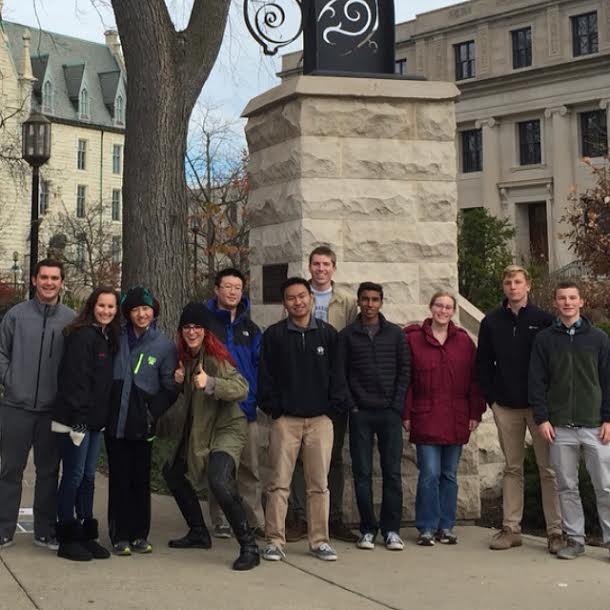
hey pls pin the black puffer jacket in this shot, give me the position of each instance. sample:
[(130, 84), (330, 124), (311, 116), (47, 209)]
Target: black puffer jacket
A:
[(377, 370), (84, 380)]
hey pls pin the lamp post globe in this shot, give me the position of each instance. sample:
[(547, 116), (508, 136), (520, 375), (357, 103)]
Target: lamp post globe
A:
[(36, 151)]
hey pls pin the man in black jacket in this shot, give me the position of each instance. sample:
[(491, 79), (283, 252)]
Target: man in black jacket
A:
[(376, 361), (506, 336), (299, 385)]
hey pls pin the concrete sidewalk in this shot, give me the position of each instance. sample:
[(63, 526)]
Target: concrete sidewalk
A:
[(467, 576)]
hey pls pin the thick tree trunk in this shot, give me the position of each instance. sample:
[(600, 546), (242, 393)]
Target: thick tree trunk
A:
[(166, 71)]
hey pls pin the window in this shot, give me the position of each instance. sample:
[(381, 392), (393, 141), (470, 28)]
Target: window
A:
[(594, 133), (44, 197), (529, 143), (116, 158), (81, 194), (116, 249), (47, 97), (522, 48), (472, 151), (119, 110), (584, 34), (464, 60), (116, 204), (83, 104), (400, 66), (81, 156)]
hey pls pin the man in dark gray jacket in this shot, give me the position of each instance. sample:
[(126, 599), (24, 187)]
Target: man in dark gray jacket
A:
[(31, 345)]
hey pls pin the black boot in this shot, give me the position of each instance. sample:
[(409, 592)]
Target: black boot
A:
[(249, 556), (196, 538), (70, 537), (90, 536)]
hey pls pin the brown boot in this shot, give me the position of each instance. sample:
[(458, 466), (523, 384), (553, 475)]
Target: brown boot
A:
[(339, 531), (555, 543), (505, 539), (296, 530)]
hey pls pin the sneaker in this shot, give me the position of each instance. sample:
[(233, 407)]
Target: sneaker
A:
[(339, 531), (121, 548), (273, 552), (325, 552), (141, 545), (571, 550), (446, 536), (393, 542), (426, 538), (296, 530), (47, 542), (505, 539), (5, 542), (222, 531), (555, 543), (366, 541)]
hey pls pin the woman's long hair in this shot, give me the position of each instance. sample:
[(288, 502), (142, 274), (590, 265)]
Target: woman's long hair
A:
[(211, 347), (86, 316)]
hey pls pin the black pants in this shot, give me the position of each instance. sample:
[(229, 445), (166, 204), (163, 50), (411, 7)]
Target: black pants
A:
[(129, 488), (336, 482), (364, 425), (222, 483)]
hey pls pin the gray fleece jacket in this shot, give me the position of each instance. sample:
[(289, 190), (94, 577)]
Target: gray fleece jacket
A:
[(31, 346)]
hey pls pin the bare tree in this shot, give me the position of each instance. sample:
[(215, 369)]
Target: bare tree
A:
[(166, 70)]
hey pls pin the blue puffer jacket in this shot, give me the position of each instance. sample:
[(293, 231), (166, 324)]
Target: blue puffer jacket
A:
[(243, 340)]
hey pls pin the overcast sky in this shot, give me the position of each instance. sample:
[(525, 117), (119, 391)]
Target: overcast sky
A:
[(241, 72)]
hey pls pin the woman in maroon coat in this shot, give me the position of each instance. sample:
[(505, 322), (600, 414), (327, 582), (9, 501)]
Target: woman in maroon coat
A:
[(442, 407)]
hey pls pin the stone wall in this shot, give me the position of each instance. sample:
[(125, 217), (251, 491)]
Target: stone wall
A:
[(367, 166)]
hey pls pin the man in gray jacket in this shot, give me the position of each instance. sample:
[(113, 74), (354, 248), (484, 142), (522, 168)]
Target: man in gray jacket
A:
[(31, 345)]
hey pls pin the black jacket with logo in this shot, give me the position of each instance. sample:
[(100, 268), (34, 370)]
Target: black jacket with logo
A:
[(84, 380), (377, 369), (299, 373), (503, 353)]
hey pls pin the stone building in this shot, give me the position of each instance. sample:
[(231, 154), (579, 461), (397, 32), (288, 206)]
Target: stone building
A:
[(80, 86), (534, 77)]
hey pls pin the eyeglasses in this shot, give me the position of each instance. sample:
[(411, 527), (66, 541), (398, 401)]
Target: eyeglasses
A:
[(190, 327), (231, 287)]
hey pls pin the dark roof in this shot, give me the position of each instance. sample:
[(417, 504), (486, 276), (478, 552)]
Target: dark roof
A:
[(70, 64)]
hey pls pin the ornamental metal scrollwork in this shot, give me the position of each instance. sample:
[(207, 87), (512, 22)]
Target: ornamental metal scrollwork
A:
[(356, 19), (266, 21)]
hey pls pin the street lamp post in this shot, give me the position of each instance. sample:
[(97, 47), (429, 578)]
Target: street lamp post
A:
[(36, 151), (15, 269)]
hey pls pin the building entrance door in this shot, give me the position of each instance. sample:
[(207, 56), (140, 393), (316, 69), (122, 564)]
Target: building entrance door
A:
[(539, 233)]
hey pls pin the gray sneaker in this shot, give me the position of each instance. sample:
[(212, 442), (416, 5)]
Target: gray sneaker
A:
[(571, 550), (273, 552), (47, 542), (366, 541), (222, 531), (325, 552), (393, 542), (5, 542)]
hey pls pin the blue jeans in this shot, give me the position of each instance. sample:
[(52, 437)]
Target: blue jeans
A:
[(437, 488), (75, 493)]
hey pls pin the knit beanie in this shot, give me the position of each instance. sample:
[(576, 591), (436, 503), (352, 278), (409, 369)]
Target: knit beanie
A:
[(136, 297), (196, 313)]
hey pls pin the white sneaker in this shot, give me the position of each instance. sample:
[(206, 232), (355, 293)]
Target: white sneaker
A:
[(273, 552), (366, 541), (393, 542), (47, 542)]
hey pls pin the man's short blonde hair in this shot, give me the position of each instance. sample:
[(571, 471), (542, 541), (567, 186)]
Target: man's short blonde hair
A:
[(513, 270)]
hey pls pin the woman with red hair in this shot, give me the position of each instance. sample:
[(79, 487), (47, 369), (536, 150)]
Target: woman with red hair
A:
[(213, 437)]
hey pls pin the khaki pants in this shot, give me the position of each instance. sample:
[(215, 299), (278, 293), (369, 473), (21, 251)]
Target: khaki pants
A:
[(312, 436), (248, 484), (512, 424)]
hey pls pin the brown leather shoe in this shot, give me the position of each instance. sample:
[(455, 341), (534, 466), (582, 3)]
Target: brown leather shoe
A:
[(339, 531), (555, 542), (296, 530), (505, 539)]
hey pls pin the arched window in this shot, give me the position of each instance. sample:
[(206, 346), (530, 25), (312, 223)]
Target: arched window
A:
[(119, 110), (83, 106), (47, 97)]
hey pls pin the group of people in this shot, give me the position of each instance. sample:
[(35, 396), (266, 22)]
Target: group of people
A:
[(334, 361)]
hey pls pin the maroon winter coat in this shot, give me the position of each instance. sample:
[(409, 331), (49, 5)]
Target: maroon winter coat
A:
[(443, 395)]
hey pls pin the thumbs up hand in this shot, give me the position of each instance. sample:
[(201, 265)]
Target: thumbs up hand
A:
[(179, 373), (200, 378)]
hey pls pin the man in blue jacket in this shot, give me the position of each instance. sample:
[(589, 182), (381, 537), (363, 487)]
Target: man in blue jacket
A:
[(242, 338)]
